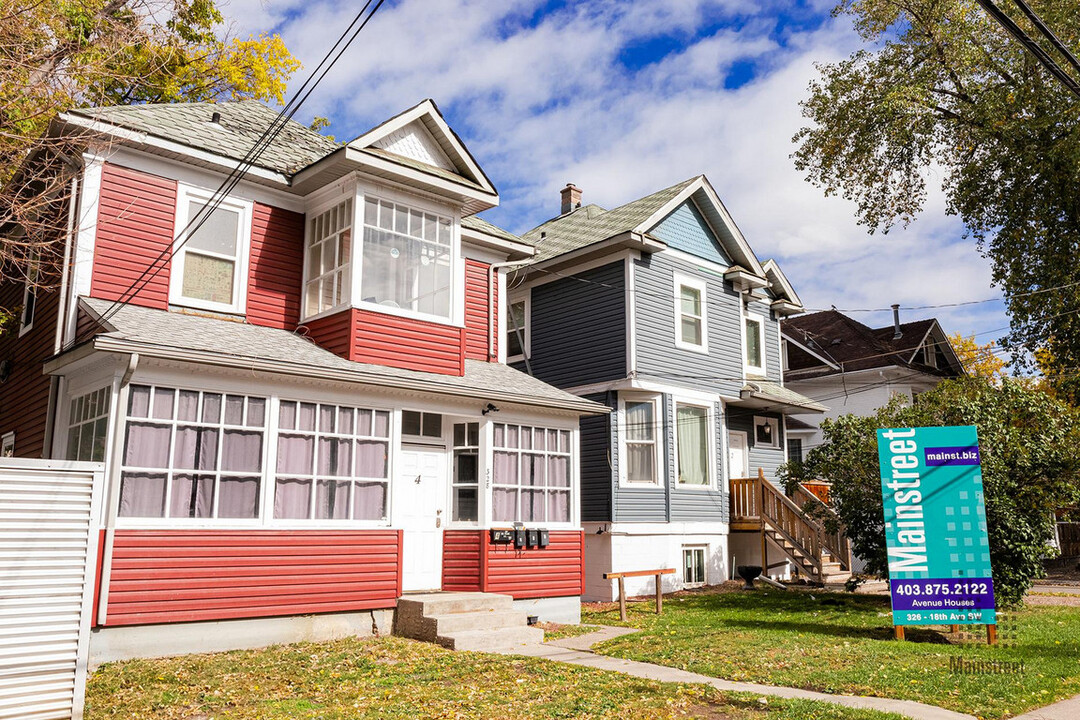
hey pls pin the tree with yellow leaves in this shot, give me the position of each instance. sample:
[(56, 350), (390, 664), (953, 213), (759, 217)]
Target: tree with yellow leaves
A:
[(979, 360), (58, 54)]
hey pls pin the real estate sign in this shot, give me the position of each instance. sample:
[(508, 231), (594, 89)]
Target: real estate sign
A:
[(935, 526)]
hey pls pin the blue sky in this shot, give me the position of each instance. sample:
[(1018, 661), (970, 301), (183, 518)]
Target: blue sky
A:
[(626, 97)]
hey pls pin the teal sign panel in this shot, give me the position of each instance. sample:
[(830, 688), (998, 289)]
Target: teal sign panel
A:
[(935, 526)]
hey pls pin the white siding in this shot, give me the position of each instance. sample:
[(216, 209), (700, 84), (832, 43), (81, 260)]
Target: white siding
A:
[(48, 554)]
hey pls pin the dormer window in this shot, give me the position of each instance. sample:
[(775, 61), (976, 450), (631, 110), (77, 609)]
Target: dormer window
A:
[(408, 259), (210, 257)]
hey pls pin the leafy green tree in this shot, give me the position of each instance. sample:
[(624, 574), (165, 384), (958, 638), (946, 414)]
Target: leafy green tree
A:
[(1030, 448), (944, 93), (58, 54)]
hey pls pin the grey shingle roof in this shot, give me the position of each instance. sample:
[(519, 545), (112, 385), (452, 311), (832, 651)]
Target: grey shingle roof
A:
[(592, 223), (481, 225), (242, 123), (770, 391), (423, 167), (241, 345)]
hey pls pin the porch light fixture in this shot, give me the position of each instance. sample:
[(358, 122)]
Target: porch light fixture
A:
[(489, 409)]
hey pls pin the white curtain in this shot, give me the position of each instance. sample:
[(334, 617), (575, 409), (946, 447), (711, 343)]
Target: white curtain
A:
[(292, 499), (692, 437), (371, 458), (504, 504), (142, 494), (558, 506), (192, 496), (239, 498), (369, 501)]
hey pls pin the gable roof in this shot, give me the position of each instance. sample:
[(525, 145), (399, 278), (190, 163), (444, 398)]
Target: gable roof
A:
[(214, 341), (592, 224), (834, 343), (241, 125)]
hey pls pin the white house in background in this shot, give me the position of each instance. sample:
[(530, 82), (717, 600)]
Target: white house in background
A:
[(855, 369)]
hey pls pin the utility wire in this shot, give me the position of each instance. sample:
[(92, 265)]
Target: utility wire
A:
[(1048, 33), (275, 128), (1031, 46)]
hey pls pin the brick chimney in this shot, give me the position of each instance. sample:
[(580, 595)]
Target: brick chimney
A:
[(571, 198)]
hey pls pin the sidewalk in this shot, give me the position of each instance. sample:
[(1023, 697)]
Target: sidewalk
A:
[(1064, 710), (575, 652)]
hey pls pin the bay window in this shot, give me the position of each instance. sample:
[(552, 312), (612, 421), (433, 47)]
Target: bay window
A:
[(692, 445), (408, 259), (209, 259), (532, 473), (191, 454), (329, 249), (332, 462)]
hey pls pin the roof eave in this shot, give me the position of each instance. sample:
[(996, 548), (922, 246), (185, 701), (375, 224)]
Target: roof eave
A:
[(613, 244), (514, 250)]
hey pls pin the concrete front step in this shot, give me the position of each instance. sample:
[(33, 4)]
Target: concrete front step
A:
[(464, 621), (500, 639)]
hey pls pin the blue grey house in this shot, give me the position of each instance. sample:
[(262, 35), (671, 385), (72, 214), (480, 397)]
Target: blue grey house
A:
[(660, 310)]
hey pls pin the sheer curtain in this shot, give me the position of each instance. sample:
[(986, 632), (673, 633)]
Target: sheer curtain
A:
[(693, 444)]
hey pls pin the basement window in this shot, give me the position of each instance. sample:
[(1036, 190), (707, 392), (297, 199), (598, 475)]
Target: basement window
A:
[(693, 566)]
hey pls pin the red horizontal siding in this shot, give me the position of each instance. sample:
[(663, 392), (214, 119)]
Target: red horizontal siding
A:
[(275, 273), (461, 560), (477, 309), (161, 576), (333, 332), (407, 343), (554, 571), (136, 223)]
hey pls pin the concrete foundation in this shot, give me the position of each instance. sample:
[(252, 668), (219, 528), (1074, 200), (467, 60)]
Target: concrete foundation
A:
[(147, 641), (565, 610)]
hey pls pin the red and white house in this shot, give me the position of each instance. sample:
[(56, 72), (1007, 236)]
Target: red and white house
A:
[(303, 408)]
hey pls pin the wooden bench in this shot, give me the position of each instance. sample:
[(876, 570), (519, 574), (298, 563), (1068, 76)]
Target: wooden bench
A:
[(639, 573)]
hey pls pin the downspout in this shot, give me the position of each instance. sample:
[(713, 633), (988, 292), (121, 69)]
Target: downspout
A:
[(492, 288)]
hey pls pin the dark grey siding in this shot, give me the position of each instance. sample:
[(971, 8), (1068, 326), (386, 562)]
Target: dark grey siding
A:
[(697, 505), (596, 469), (646, 504), (721, 369), (768, 459), (577, 328)]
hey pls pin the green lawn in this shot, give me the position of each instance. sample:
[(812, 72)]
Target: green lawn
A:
[(844, 644), (394, 678)]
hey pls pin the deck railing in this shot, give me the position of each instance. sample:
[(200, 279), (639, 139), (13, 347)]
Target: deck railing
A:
[(837, 543)]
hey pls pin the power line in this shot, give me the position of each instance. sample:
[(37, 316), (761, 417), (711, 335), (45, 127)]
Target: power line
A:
[(1030, 45), (275, 128), (1048, 33)]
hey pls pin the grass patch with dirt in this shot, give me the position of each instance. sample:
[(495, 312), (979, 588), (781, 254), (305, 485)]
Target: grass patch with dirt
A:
[(842, 643), (390, 678)]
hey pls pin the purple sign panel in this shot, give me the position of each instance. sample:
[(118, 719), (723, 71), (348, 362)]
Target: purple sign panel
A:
[(938, 456), (934, 594)]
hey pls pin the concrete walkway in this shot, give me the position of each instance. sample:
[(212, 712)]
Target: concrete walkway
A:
[(574, 651), (1064, 710)]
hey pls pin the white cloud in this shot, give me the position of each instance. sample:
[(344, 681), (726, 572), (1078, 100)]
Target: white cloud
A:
[(549, 101)]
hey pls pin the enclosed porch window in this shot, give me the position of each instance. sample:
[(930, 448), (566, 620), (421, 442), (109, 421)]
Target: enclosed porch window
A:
[(531, 474)]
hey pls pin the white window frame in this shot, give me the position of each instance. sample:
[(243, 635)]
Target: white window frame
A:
[(456, 317), (7, 445), (573, 469), (526, 339), (710, 433), (348, 282), (760, 320), (103, 411), (422, 439), (184, 196), (772, 422), (701, 287), (658, 440), (33, 272), (480, 485), (704, 550)]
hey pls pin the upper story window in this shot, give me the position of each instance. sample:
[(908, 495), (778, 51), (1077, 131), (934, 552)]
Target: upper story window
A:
[(209, 260), (517, 329), (329, 249), (691, 331), (30, 292), (754, 342), (642, 456), (407, 259)]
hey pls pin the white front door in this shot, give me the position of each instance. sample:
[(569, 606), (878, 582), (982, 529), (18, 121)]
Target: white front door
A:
[(738, 455), (419, 510)]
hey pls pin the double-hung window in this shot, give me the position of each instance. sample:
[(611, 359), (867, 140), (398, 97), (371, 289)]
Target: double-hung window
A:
[(532, 474), (692, 446), (640, 430), (332, 462), (191, 454), (88, 425), (329, 249), (516, 329), (691, 322), (209, 259), (408, 259), (754, 344)]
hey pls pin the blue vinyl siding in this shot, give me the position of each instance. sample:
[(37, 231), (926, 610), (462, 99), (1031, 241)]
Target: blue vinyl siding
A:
[(686, 229), (578, 329), (642, 504), (596, 471), (654, 306), (768, 459)]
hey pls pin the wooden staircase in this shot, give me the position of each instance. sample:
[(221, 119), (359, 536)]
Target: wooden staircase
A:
[(759, 506)]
